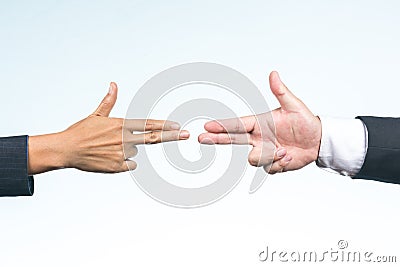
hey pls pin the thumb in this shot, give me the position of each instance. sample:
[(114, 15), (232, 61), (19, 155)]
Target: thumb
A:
[(108, 102), (287, 100)]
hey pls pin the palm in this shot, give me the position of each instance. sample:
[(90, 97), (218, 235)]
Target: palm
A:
[(299, 133)]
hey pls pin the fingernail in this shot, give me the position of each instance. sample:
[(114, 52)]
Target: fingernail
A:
[(281, 152), (287, 158), (184, 134), (206, 141), (175, 126), (110, 90)]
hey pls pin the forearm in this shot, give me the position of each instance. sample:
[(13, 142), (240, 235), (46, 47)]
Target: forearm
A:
[(45, 153)]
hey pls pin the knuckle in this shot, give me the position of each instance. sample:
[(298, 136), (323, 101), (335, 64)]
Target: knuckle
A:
[(119, 155), (153, 137), (124, 166), (117, 168), (116, 122), (283, 163), (117, 162), (152, 125), (118, 132), (113, 168), (274, 169), (120, 141), (149, 126), (254, 161)]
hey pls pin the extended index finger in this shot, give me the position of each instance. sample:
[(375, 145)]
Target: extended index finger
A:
[(233, 125), (156, 137)]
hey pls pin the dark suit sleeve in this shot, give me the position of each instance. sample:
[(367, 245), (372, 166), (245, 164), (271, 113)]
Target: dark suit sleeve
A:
[(14, 178), (382, 161)]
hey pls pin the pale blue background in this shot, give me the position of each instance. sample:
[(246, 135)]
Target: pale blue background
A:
[(342, 58)]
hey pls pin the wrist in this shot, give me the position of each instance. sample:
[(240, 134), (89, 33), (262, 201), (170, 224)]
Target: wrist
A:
[(46, 153)]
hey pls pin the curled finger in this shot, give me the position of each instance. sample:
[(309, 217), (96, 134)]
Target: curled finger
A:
[(130, 150), (262, 155), (279, 166)]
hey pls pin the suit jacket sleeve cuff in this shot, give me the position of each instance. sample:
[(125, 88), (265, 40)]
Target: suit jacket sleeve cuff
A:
[(14, 178), (382, 159)]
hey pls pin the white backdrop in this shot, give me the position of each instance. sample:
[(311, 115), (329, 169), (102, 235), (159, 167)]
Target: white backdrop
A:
[(341, 58)]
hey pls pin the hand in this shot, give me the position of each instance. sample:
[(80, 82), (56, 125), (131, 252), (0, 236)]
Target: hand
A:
[(297, 137), (95, 143)]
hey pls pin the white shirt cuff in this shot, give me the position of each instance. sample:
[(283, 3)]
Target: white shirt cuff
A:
[(344, 144)]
